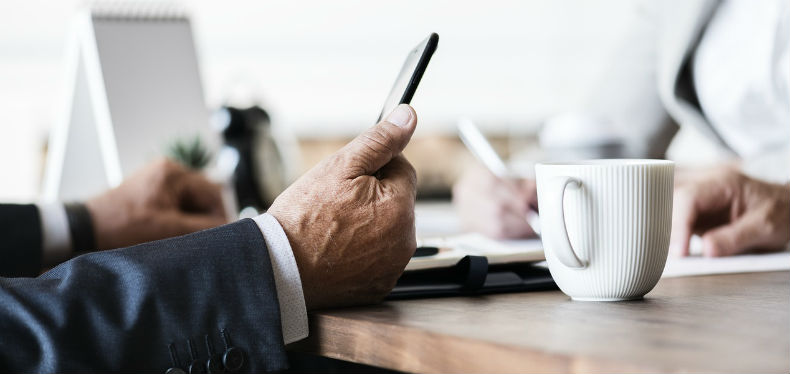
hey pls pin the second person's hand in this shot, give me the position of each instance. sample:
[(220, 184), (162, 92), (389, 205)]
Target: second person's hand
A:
[(162, 200), (494, 206), (732, 212)]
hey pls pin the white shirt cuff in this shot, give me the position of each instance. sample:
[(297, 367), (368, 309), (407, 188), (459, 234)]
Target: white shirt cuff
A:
[(293, 311), (55, 234)]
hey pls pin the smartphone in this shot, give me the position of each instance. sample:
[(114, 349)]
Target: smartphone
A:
[(410, 75)]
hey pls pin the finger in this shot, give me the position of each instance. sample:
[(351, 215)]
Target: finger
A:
[(530, 189), (523, 194), (694, 204), (510, 191), (741, 235), (508, 225), (503, 220), (399, 175), (516, 221), (516, 227), (198, 194), (683, 216), (377, 146)]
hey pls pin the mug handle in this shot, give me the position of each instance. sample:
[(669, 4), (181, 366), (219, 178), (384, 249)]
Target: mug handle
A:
[(563, 248)]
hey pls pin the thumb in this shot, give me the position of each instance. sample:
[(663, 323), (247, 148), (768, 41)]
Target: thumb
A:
[(375, 147), (734, 238)]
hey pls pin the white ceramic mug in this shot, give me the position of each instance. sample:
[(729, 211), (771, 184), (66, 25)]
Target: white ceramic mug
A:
[(605, 225)]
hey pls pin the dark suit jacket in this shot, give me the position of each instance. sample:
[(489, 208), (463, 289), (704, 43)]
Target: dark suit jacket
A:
[(138, 308)]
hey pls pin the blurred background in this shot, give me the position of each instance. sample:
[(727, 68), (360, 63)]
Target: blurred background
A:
[(322, 71)]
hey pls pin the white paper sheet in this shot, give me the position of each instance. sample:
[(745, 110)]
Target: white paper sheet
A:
[(698, 265), (694, 265), (439, 223)]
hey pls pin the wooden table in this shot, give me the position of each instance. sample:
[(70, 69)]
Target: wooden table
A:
[(720, 323)]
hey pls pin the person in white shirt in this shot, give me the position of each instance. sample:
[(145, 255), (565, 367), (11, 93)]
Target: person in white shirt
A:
[(720, 68)]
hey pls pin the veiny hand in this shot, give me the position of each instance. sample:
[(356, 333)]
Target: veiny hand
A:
[(494, 206), (350, 219), (162, 200), (733, 213)]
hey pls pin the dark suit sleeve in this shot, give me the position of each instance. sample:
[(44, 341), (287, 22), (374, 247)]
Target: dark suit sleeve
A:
[(127, 309), (20, 240)]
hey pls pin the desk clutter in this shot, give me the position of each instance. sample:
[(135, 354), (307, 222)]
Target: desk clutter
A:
[(473, 264)]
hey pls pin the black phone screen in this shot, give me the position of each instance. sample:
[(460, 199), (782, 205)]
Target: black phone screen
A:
[(410, 75)]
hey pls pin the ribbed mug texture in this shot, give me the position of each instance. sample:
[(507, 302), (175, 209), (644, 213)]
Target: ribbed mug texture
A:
[(618, 221)]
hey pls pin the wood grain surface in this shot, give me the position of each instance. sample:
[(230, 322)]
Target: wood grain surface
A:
[(720, 323)]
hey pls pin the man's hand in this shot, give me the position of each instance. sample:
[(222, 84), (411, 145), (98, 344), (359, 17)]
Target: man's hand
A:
[(493, 206), (733, 213), (350, 219), (162, 200)]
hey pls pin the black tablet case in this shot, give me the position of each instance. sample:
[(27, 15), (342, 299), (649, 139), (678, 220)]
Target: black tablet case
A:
[(472, 275)]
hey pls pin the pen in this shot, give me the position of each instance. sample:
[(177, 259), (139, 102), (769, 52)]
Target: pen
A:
[(474, 140)]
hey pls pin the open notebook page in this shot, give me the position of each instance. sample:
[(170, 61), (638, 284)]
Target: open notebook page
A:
[(455, 247)]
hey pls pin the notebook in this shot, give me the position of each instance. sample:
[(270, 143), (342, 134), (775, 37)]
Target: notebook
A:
[(472, 264), (132, 88), (455, 247)]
